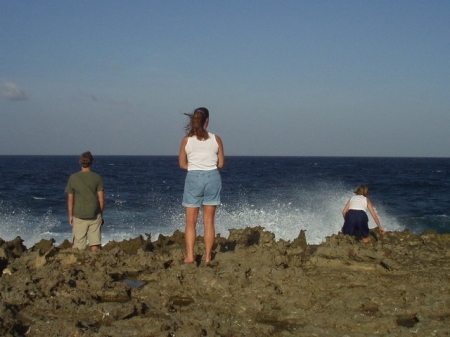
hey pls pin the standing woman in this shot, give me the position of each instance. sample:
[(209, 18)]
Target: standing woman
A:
[(201, 154), (356, 220)]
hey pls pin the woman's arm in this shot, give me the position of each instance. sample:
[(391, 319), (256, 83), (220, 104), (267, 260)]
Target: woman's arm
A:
[(221, 154), (374, 216), (182, 157)]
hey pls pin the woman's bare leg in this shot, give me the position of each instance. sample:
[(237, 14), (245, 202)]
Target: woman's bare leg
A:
[(209, 213), (190, 232)]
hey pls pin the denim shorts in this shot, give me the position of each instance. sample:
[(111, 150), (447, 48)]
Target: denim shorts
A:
[(202, 188)]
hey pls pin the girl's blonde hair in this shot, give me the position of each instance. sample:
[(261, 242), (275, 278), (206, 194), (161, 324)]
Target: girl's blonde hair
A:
[(362, 190), (196, 124)]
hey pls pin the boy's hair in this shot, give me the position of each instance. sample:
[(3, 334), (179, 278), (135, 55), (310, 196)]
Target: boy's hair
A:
[(86, 159)]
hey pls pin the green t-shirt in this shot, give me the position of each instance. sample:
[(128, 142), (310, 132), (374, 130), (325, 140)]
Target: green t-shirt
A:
[(84, 186)]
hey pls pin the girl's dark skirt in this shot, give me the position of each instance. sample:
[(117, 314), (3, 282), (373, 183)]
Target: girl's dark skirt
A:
[(356, 223)]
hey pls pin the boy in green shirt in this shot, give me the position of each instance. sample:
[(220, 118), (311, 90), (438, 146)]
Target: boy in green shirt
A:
[(85, 203)]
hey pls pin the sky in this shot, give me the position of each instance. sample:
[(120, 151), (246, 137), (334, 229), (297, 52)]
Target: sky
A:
[(280, 78)]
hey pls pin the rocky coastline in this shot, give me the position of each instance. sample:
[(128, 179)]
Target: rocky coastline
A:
[(396, 285)]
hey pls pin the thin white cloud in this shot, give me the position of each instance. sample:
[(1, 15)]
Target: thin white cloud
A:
[(11, 91), (92, 97), (105, 100), (116, 65)]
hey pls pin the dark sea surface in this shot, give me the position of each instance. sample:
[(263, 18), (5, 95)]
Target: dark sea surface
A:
[(281, 194)]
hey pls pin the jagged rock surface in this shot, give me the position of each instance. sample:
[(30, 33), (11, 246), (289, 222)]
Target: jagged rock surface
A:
[(397, 285)]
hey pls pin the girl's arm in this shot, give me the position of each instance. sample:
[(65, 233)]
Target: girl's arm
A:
[(374, 216), (345, 210)]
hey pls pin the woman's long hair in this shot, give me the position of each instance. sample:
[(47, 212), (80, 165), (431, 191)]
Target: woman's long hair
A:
[(197, 121)]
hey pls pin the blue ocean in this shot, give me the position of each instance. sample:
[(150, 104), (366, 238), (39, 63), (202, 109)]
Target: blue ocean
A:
[(282, 194)]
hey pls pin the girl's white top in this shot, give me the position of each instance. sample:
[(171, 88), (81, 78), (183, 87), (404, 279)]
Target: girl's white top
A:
[(202, 154), (358, 202)]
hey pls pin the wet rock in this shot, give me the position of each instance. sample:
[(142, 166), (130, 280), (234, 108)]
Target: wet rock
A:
[(131, 246), (43, 245)]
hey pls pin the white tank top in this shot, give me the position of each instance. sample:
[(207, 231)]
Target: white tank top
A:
[(202, 154), (358, 202)]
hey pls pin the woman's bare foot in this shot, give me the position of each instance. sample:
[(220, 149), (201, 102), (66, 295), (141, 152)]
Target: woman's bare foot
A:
[(366, 240), (207, 258)]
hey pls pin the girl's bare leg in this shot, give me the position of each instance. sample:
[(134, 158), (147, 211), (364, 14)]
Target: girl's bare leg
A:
[(209, 213), (190, 233)]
